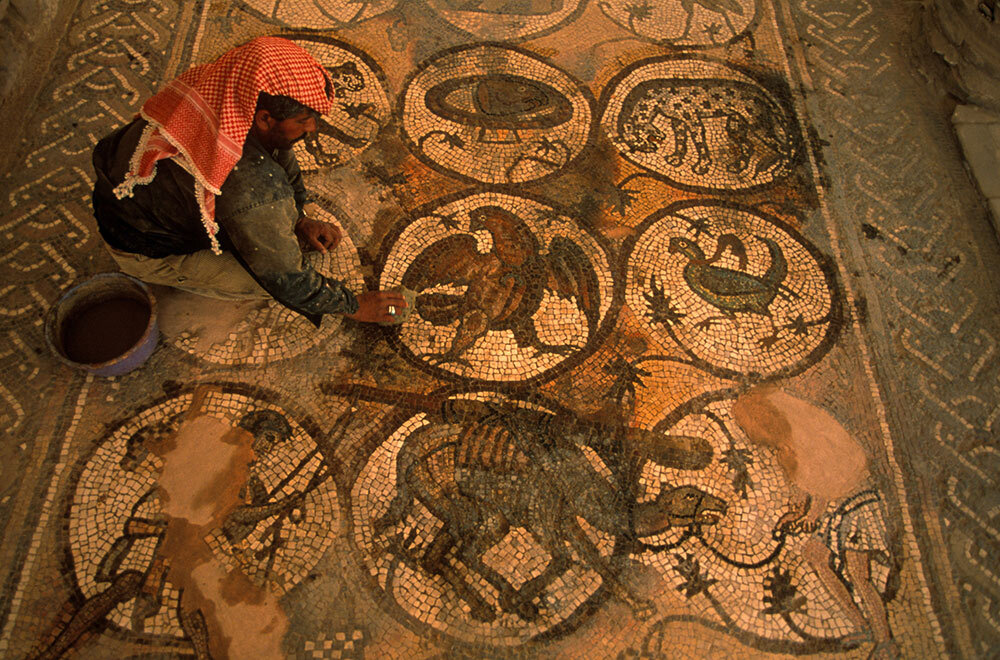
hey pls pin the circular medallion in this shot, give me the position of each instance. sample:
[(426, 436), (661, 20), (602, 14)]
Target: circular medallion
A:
[(495, 114), (746, 486), (733, 287), (273, 332), (507, 21), (688, 23), (116, 522), (746, 567), (317, 14), (700, 124), (481, 528), (360, 108), (507, 287)]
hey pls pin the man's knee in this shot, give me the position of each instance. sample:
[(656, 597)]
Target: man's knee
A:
[(217, 275), (202, 273)]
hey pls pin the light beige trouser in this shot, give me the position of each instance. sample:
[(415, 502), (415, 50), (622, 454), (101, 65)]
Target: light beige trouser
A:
[(204, 273)]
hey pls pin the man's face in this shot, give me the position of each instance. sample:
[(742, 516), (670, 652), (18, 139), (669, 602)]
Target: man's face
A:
[(282, 134)]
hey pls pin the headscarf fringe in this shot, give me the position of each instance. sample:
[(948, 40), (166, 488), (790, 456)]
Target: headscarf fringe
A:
[(207, 220), (182, 157), (272, 63), (125, 188)]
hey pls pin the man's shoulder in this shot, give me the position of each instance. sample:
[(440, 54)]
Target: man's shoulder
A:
[(257, 169), (256, 166), (255, 180)]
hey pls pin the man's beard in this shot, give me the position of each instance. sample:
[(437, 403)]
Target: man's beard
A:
[(281, 142)]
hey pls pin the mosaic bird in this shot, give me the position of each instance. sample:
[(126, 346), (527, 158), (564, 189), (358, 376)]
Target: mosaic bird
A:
[(502, 288), (732, 291)]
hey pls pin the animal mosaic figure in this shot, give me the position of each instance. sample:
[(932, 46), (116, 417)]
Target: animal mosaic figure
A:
[(502, 466), (722, 7), (755, 125), (501, 104), (834, 506), (269, 429), (504, 286), (117, 567), (732, 291), (124, 578), (345, 78)]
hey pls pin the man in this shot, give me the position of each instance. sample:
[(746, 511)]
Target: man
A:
[(202, 191)]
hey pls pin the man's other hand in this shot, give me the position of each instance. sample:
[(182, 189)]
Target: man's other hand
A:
[(373, 307), (317, 235)]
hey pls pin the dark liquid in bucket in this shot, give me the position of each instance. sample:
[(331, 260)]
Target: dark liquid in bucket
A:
[(104, 330)]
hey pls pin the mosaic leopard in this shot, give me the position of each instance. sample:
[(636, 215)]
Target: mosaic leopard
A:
[(754, 123)]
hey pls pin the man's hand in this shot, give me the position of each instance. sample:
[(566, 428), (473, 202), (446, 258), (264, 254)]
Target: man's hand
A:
[(317, 235), (373, 306)]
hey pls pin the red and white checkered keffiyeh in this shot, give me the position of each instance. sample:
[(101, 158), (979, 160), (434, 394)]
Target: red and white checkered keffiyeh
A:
[(202, 118)]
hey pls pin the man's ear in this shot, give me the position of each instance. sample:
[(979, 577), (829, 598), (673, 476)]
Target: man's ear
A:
[(263, 120)]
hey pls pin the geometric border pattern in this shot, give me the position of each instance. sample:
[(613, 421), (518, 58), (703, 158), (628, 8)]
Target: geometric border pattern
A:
[(923, 243)]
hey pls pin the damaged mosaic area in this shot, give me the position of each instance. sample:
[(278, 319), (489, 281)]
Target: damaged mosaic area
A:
[(628, 416), (117, 522)]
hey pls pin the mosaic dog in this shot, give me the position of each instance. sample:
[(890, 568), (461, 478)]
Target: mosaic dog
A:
[(516, 467), (754, 123)]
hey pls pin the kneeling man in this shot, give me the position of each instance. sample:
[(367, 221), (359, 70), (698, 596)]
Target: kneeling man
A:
[(202, 191)]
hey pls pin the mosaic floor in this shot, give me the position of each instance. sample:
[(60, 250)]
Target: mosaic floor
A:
[(702, 361)]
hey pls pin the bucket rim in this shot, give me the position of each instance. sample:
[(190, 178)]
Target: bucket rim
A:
[(97, 367)]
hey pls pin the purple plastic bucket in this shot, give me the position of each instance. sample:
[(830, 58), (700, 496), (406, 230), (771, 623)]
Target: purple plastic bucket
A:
[(106, 289)]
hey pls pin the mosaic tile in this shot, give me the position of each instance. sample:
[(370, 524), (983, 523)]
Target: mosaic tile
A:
[(699, 123), (507, 287), (339, 645), (495, 114)]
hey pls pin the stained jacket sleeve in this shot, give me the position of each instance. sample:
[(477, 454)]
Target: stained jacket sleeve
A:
[(258, 210), (286, 158)]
